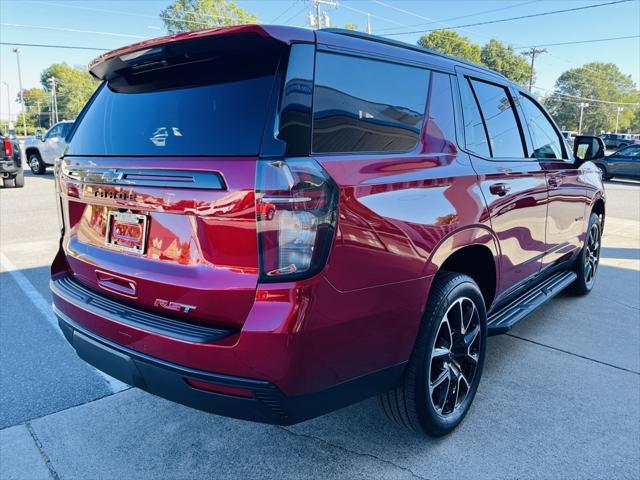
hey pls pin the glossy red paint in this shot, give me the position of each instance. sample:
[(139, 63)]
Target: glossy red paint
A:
[(399, 218)]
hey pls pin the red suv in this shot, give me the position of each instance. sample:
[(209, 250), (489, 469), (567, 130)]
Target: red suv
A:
[(271, 223)]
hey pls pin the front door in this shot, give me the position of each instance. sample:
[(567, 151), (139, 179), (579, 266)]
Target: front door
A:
[(566, 219)]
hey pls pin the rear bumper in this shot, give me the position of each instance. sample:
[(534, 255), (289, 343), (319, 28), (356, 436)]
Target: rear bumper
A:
[(9, 167), (261, 401)]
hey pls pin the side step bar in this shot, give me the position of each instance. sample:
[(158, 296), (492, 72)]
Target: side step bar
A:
[(504, 319)]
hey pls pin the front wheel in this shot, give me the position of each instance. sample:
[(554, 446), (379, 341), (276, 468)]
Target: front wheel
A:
[(444, 370), (586, 265), (36, 164)]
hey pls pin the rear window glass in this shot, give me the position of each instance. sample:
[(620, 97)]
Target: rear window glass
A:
[(500, 120), (221, 111), (363, 105)]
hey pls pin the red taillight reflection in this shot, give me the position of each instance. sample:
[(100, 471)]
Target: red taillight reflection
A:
[(214, 387)]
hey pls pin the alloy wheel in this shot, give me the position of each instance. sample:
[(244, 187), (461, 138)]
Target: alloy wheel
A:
[(592, 255), (34, 165), (455, 356)]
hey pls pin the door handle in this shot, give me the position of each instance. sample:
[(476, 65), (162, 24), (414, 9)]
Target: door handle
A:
[(500, 189), (554, 181)]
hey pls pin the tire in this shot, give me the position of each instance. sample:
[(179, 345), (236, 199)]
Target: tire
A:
[(7, 182), (427, 398), (586, 265), (603, 169), (36, 164), (18, 180)]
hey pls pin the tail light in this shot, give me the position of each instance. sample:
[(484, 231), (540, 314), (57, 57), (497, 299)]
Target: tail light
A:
[(296, 203), (8, 148)]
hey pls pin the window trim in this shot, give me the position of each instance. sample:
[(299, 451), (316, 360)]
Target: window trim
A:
[(563, 142), (367, 56)]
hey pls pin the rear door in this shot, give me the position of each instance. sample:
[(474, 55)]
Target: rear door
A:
[(567, 193), (513, 184), (158, 181)]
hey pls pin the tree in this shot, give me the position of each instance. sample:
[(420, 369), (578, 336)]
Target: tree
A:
[(36, 104), (74, 87), (351, 26), (450, 43), (504, 59), (602, 81), (186, 15)]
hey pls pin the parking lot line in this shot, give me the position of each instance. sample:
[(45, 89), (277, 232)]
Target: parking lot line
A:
[(44, 308)]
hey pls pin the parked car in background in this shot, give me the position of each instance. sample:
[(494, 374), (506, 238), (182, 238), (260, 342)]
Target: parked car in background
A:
[(569, 136), (623, 163), (280, 239), (615, 141), (42, 149), (11, 162)]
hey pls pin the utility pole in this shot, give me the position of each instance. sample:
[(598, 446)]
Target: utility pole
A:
[(8, 105), (320, 18), (24, 114), (38, 105), (618, 110), (532, 53), (53, 117), (583, 105)]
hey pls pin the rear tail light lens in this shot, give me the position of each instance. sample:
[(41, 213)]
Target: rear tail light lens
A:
[(296, 203), (8, 148)]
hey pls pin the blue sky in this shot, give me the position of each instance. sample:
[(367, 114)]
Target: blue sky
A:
[(111, 24)]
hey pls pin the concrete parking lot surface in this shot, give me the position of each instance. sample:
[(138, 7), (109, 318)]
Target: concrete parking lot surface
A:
[(560, 395)]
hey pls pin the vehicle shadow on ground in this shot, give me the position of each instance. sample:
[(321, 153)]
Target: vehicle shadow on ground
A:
[(47, 175), (620, 253)]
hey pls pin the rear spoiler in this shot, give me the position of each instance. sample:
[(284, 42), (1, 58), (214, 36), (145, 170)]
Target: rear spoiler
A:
[(107, 65)]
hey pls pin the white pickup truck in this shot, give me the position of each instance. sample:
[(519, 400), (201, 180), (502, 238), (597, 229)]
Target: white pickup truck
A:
[(42, 150)]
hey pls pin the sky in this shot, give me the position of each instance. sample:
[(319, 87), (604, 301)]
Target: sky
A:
[(112, 24)]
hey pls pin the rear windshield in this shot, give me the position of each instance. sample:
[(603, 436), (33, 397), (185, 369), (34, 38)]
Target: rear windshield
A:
[(213, 106)]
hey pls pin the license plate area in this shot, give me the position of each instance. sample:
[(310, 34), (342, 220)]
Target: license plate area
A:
[(126, 231)]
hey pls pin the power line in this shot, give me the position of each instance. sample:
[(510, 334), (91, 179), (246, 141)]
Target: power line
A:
[(593, 40), (521, 17), (464, 16), (586, 98), (42, 45), (73, 30)]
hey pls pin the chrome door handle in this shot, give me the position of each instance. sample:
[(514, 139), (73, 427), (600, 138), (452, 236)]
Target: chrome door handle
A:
[(500, 189)]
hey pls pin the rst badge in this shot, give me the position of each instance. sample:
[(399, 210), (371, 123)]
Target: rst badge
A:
[(175, 306)]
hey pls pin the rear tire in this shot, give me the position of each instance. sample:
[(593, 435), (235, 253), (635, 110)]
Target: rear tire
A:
[(18, 180), (36, 164), (586, 265), (445, 367)]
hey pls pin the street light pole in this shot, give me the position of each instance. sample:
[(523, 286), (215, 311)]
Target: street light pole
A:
[(8, 105), (583, 105), (24, 114), (618, 110)]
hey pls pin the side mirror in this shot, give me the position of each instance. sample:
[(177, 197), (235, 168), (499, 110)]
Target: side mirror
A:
[(39, 135), (586, 147)]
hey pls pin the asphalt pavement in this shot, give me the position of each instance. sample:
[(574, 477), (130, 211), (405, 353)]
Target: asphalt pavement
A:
[(559, 398)]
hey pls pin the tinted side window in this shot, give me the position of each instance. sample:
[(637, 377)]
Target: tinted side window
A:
[(363, 105), (474, 131), (55, 131), (546, 141), (499, 117)]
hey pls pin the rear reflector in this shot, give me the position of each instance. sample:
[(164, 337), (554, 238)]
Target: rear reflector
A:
[(214, 387)]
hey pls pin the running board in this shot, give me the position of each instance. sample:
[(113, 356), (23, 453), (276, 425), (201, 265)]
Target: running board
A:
[(504, 319)]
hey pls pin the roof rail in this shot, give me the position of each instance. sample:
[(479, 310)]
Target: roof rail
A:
[(408, 46)]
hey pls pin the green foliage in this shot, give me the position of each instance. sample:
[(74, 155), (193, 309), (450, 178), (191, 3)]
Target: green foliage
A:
[(603, 81), (74, 87), (450, 43), (351, 26), (186, 15), (504, 59)]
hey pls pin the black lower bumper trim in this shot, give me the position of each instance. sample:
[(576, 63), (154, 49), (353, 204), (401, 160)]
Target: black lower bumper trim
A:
[(267, 403)]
